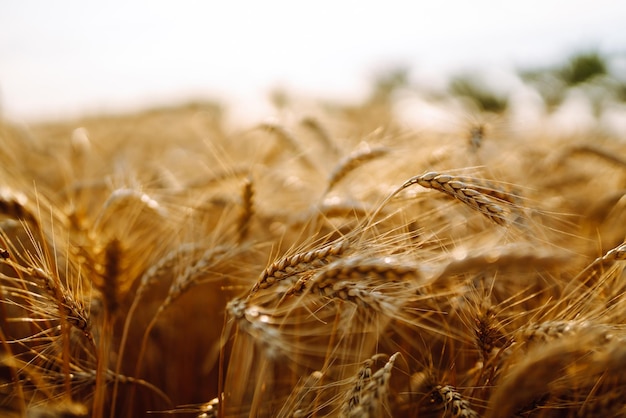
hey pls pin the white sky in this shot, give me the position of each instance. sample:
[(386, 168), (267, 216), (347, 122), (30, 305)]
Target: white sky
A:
[(74, 57)]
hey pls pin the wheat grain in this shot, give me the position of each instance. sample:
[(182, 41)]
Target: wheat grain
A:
[(615, 254)]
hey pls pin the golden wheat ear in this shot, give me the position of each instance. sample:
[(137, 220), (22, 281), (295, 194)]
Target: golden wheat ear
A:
[(353, 162), (290, 142), (449, 399), (484, 200), (291, 265), (370, 393), (322, 135)]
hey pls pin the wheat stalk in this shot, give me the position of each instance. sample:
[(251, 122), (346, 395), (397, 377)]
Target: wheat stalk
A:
[(247, 210)]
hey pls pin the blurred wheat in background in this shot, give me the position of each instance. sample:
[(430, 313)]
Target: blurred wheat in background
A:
[(339, 263)]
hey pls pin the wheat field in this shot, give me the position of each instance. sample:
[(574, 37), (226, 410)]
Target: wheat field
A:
[(334, 264)]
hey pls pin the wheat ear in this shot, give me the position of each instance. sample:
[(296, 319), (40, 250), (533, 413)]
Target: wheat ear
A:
[(359, 280), (544, 332), (486, 334), (253, 321), (291, 265), (589, 273), (352, 398), (69, 308), (452, 401), (374, 395), (475, 197), (320, 132), (289, 141), (15, 205), (352, 162), (118, 196), (531, 378), (190, 274)]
